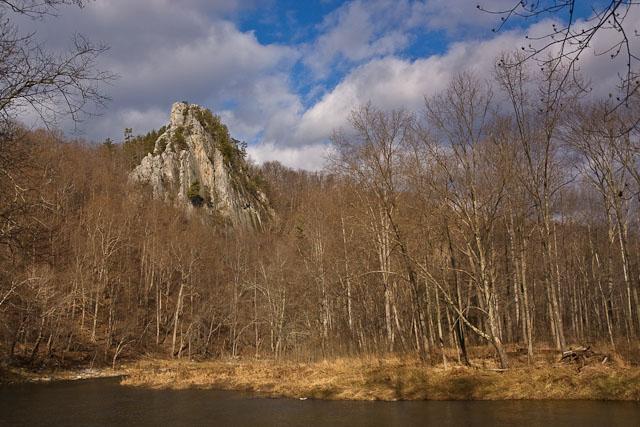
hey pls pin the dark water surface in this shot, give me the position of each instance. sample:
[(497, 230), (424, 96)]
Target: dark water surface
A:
[(104, 402)]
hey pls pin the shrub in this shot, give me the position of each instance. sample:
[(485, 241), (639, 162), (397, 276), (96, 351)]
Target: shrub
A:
[(162, 144), (193, 194), (137, 147), (178, 140), (229, 147)]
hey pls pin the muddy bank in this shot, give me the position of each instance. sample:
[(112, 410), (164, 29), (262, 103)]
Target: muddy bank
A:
[(13, 375)]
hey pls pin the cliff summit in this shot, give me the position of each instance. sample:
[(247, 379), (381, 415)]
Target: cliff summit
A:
[(195, 162)]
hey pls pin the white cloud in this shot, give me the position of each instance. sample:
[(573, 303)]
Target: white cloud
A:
[(167, 51), (309, 157), (458, 17), (140, 120), (219, 63), (357, 31), (222, 66), (267, 108), (392, 82)]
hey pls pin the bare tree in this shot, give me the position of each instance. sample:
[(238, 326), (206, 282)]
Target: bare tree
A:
[(38, 8), (50, 83), (596, 137), (537, 121), (571, 37), (373, 157), (461, 144)]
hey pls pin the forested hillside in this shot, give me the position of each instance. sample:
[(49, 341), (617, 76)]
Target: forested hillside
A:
[(471, 224), (502, 214)]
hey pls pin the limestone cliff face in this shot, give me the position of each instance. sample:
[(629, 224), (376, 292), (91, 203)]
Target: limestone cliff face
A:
[(196, 163)]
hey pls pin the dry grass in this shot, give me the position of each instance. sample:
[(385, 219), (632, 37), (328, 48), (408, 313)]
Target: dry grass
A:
[(390, 379), (378, 378)]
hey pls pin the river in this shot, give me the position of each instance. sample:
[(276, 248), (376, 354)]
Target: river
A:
[(104, 402)]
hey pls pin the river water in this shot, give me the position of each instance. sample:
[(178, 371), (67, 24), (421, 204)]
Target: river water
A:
[(103, 402)]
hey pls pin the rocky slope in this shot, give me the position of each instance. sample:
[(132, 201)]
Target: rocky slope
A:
[(196, 163)]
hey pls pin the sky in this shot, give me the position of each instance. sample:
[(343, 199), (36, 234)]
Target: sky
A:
[(283, 75)]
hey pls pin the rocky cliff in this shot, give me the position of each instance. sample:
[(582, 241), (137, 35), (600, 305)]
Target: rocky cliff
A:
[(196, 163)]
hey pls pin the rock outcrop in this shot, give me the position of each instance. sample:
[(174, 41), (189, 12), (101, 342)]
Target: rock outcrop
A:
[(196, 163)]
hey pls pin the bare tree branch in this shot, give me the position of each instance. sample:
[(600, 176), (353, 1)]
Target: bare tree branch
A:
[(568, 40)]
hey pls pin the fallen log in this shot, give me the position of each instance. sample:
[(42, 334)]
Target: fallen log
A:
[(583, 355), (580, 354)]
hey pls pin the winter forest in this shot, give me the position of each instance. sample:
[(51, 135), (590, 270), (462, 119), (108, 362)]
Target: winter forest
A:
[(500, 218)]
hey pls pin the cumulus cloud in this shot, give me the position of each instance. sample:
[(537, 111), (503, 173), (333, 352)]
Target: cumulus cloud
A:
[(310, 157), (457, 17), (357, 31), (166, 51), (362, 30), (393, 82), (195, 50)]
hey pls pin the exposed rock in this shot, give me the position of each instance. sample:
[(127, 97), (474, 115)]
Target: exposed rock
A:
[(196, 163)]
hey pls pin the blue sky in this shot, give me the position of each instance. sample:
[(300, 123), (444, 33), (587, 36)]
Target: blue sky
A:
[(302, 23), (285, 74)]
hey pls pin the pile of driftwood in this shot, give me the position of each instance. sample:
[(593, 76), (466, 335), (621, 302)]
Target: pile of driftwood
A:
[(583, 356)]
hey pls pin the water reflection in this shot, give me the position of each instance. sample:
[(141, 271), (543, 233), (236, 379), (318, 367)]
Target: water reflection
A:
[(105, 403)]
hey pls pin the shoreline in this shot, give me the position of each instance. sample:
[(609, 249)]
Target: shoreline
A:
[(9, 376), (387, 379), (390, 379)]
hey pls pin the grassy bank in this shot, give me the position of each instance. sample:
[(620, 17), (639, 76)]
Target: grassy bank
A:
[(390, 379)]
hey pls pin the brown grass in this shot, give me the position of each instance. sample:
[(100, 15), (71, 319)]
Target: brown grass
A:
[(390, 378)]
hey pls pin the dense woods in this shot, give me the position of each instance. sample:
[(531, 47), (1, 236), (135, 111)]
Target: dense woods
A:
[(495, 216)]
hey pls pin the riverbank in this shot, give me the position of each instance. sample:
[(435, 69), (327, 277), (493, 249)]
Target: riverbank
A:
[(390, 379), (15, 375)]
